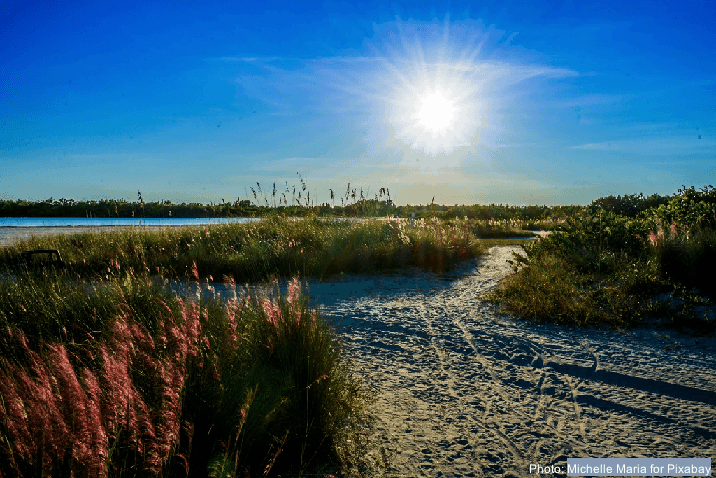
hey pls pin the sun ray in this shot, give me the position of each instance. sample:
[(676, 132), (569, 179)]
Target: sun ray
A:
[(432, 107)]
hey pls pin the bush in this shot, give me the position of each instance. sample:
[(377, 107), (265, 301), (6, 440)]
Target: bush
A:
[(614, 264)]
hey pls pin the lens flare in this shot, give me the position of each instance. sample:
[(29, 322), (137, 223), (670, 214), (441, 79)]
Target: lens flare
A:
[(433, 111), (436, 112), (432, 100)]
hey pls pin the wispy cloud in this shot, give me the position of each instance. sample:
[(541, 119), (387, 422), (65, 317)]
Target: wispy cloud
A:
[(607, 145), (592, 99), (398, 53), (247, 59), (681, 144), (345, 59)]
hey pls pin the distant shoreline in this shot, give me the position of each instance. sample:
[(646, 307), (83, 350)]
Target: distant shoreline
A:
[(10, 235)]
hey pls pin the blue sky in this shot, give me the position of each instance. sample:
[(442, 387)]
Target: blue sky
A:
[(496, 102)]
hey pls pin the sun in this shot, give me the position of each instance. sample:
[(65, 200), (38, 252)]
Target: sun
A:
[(428, 96), (436, 112), (433, 112)]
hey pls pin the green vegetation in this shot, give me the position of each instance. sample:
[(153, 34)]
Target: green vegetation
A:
[(376, 207), (620, 263), (275, 247), (292, 201)]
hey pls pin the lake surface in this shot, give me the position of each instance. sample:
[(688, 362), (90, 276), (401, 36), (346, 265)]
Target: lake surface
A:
[(118, 221)]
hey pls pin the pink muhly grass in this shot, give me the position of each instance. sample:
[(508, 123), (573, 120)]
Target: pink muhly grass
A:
[(229, 281), (233, 338), (195, 271), (294, 294), (31, 413), (230, 284), (94, 415), (44, 414), (154, 433), (192, 328), (162, 328), (125, 409), (117, 389), (294, 289), (162, 335), (272, 312), (169, 414), (89, 442), (121, 338), (13, 415), (60, 414), (182, 338), (143, 339), (673, 229), (297, 315)]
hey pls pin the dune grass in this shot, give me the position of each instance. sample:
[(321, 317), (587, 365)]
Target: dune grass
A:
[(123, 378)]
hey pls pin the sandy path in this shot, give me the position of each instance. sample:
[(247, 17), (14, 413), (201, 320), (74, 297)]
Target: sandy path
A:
[(465, 392)]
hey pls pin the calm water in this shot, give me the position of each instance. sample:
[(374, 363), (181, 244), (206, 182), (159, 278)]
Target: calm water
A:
[(117, 221)]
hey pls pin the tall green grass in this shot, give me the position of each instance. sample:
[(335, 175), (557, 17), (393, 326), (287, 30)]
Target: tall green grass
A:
[(274, 247), (123, 378)]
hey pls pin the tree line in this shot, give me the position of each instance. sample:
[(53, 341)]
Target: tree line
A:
[(352, 205)]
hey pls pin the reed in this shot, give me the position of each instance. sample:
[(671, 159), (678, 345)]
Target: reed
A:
[(275, 247)]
